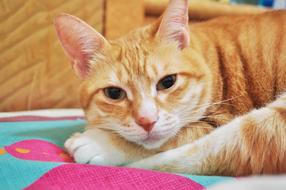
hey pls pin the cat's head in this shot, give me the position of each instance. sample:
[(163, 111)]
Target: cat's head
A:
[(144, 86)]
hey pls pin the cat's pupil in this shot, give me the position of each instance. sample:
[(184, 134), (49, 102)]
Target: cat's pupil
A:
[(166, 82), (114, 93)]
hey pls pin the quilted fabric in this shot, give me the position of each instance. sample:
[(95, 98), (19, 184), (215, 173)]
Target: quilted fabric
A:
[(32, 157)]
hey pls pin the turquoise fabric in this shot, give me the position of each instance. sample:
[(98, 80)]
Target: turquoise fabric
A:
[(54, 131), (16, 173), (207, 180)]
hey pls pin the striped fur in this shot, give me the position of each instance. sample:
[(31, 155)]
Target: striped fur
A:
[(231, 73)]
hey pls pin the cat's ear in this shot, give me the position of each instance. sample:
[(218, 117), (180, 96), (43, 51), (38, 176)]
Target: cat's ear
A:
[(174, 23), (79, 40)]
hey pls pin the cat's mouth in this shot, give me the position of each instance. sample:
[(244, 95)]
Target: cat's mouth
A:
[(152, 141), (152, 138)]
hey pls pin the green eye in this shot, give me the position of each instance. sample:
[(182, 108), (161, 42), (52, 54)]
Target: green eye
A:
[(166, 82), (114, 93)]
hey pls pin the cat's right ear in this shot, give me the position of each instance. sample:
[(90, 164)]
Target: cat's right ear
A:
[(80, 42), (174, 23)]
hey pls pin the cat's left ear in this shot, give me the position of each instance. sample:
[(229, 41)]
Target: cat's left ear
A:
[(174, 23), (80, 42)]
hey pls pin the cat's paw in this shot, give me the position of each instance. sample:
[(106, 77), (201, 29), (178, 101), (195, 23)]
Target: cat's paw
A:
[(94, 147)]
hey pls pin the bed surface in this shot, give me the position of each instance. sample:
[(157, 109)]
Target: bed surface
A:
[(32, 157)]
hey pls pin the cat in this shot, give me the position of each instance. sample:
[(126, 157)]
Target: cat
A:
[(207, 99)]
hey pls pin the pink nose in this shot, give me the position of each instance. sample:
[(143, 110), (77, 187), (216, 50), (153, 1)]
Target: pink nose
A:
[(146, 123)]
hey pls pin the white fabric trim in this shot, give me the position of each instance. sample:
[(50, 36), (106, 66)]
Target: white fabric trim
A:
[(45, 112)]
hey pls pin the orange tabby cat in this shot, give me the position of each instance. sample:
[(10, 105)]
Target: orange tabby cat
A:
[(151, 94)]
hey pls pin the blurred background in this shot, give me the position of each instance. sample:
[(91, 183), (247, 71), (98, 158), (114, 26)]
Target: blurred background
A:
[(34, 71)]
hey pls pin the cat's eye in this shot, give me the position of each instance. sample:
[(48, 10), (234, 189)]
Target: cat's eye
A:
[(114, 93), (166, 82)]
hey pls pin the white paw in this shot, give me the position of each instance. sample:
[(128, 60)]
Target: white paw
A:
[(94, 147)]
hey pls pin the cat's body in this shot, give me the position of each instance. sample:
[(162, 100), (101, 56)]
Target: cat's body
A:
[(246, 55), (162, 87)]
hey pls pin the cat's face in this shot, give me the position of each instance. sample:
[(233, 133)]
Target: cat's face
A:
[(144, 86), (132, 81)]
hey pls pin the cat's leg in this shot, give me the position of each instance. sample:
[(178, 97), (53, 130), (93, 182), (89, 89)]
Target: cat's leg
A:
[(254, 143), (96, 146)]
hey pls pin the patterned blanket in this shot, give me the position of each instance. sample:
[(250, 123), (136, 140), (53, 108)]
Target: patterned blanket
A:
[(32, 157)]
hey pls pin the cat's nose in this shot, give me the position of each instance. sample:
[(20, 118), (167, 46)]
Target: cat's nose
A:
[(146, 123)]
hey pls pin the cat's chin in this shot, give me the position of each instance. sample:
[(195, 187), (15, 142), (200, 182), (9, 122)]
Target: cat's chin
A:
[(152, 143)]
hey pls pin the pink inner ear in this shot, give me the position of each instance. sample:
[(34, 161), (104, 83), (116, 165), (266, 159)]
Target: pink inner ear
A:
[(79, 40), (174, 24)]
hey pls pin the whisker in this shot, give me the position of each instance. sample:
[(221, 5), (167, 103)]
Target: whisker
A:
[(186, 117), (200, 127), (219, 102)]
